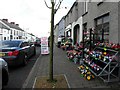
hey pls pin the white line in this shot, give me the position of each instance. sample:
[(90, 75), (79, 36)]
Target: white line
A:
[(67, 81), (34, 83)]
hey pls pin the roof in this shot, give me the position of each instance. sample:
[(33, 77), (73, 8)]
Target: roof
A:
[(3, 26), (12, 25)]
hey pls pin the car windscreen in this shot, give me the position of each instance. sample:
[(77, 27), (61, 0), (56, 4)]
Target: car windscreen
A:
[(9, 43)]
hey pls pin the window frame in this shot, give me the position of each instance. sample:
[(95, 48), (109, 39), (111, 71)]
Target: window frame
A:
[(101, 35)]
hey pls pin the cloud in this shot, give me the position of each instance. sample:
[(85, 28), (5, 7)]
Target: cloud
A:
[(32, 15)]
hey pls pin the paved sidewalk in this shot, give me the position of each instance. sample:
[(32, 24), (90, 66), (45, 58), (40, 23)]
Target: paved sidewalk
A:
[(63, 66)]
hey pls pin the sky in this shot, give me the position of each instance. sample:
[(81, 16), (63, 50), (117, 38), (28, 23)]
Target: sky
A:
[(32, 15)]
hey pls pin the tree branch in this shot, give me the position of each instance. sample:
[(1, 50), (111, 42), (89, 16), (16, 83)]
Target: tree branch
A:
[(55, 2), (47, 5), (58, 6)]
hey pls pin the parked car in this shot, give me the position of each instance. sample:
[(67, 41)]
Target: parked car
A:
[(38, 42), (59, 42), (4, 74), (16, 52)]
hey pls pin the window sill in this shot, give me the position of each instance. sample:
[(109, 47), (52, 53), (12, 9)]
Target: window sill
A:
[(99, 3), (84, 13)]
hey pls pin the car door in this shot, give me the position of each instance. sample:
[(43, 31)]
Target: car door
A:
[(32, 48), (26, 48)]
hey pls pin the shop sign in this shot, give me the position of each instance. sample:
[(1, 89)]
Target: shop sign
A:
[(44, 45)]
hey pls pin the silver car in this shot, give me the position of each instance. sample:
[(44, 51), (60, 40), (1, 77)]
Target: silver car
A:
[(4, 75)]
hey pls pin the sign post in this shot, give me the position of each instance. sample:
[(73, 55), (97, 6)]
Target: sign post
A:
[(44, 45)]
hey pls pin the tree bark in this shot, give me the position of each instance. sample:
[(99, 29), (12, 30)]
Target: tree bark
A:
[(51, 43)]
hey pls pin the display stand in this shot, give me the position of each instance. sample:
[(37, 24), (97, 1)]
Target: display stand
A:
[(104, 63)]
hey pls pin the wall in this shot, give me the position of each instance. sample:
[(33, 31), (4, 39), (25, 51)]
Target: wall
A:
[(56, 34), (61, 27), (119, 22), (78, 22), (95, 11)]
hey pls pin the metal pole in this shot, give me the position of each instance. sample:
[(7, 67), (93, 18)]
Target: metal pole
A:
[(90, 39), (102, 35), (83, 44)]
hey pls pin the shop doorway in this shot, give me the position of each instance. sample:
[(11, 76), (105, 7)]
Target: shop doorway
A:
[(76, 34)]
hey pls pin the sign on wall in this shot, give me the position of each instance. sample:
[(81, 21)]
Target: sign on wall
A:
[(44, 45)]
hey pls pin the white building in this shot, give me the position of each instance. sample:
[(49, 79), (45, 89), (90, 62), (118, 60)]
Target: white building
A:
[(10, 30), (4, 31), (16, 32)]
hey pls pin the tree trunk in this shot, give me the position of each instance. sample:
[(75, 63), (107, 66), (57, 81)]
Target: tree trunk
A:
[(51, 43)]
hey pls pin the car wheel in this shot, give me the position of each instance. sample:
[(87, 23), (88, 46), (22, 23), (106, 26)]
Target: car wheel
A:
[(25, 60), (4, 77)]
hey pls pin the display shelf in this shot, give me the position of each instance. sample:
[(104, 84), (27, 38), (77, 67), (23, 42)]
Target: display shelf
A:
[(104, 63)]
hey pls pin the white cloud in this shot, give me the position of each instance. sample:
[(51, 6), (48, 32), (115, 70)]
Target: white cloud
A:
[(31, 15)]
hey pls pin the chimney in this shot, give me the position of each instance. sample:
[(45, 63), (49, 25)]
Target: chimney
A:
[(12, 22), (17, 24), (5, 20)]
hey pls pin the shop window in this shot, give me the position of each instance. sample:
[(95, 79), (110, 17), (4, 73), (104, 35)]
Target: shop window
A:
[(85, 35), (102, 29), (69, 33)]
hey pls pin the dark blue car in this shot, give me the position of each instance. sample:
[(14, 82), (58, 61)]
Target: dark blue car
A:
[(16, 52)]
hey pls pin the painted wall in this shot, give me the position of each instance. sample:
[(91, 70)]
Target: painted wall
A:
[(95, 10), (78, 22)]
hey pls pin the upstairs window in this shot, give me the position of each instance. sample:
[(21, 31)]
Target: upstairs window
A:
[(102, 29), (86, 6)]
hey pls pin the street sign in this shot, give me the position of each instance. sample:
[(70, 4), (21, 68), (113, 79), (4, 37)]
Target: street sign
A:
[(44, 45)]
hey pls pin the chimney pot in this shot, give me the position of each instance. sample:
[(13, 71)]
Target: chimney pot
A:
[(5, 20), (12, 22), (17, 24)]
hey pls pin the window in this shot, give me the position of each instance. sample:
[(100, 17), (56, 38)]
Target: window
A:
[(14, 32), (10, 43), (4, 38), (68, 33), (76, 12), (102, 29), (1, 30), (17, 32), (85, 35), (1, 37), (11, 31), (85, 6), (24, 44)]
